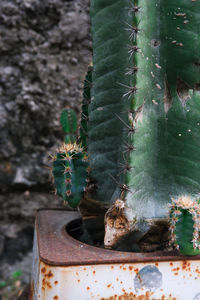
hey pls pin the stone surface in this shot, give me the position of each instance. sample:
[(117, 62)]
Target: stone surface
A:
[(45, 47)]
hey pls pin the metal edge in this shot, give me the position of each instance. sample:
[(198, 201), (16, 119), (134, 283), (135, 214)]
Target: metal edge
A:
[(58, 248)]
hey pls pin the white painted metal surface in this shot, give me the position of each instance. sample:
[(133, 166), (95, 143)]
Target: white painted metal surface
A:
[(162, 280)]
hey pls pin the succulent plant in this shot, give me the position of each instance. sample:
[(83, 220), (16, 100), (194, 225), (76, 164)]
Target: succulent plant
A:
[(142, 124), (184, 218)]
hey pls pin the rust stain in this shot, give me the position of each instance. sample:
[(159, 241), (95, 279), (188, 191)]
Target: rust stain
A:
[(176, 269), (186, 266), (117, 279), (124, 268), (55, 298), (109, 285), (56, 282), (94, 272), (78, 280), (88, 288), (46, 283), (136, 270), (197, 271), (132, 296), (156, 264), (171, 264), (130, 268), (49, 274), (43, 270), (112, 267)]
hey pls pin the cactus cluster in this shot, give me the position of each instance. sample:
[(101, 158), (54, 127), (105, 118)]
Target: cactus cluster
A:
[(141, 114), (184, 219)]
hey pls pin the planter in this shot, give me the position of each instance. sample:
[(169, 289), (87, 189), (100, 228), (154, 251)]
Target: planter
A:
[(66, 269)]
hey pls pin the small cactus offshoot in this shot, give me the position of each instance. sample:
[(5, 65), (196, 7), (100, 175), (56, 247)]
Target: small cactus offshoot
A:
[(70, 164), (184, 218), (70, 173)]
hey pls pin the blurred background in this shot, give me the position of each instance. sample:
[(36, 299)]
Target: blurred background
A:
[(45, 48)]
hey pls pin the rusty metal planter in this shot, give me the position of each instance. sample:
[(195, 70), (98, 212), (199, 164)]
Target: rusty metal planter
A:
[(66, 269)]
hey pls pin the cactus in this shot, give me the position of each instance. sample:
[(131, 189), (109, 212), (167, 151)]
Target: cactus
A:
[(184, 218), (70, 164), (70, 173), (143, 130)]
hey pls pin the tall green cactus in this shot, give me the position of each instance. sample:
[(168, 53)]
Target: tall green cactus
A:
[(144, 118)]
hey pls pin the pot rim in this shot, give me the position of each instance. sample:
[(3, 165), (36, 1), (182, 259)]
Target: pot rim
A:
[(58, 248)]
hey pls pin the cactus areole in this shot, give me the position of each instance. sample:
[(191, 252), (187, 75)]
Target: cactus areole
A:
[(143, 120)]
